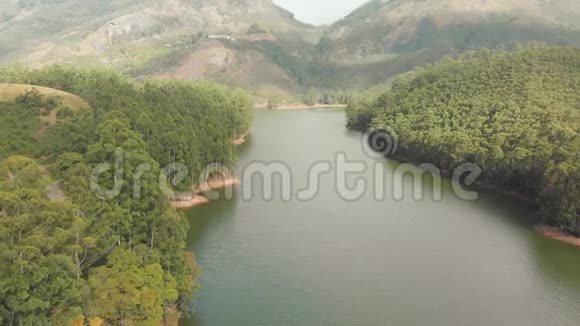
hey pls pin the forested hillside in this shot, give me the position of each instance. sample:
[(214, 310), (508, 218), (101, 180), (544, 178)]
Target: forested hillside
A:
[(70, 251), (515, 114), (385, 38)]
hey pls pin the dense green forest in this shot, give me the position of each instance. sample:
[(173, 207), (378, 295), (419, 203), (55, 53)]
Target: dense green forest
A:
[(65, 253), (513, 113)]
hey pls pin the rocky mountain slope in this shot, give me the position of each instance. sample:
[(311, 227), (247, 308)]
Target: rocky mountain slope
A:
[(25, 24), (189, 39), (95, 26)]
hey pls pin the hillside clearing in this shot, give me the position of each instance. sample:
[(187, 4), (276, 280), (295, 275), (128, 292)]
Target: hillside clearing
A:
[(9, 92)]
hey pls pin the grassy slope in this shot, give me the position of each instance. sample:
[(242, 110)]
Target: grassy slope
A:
[(9, 92), (29, 129), (23, 131)]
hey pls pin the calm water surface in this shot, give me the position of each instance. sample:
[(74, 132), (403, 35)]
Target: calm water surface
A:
[(367, 262)]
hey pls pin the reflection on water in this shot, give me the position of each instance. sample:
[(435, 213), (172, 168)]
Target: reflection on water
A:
[(368, 262), (557, 262)]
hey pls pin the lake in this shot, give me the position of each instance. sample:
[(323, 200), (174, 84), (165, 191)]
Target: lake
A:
[(387, 261)]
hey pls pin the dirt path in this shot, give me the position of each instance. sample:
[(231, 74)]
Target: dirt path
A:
[(242, 139), (51, 120)]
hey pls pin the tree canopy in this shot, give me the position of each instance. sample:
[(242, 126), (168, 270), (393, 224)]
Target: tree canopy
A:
[(513, 113), (67, 253)]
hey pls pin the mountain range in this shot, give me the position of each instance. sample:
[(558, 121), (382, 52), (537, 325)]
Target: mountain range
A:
[(261, 47)]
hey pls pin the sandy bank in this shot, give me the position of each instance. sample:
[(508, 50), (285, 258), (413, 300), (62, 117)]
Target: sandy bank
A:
[(196, 198), (288, 107), (242, 139), (217, 184), (559, 235), (189, 202)]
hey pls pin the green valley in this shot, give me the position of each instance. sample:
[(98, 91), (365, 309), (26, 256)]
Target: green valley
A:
[(186, 162)]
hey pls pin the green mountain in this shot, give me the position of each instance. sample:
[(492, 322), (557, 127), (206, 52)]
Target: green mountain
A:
[(393, 36), (95, 26), (187, 39), (256, 45), (514, 114)]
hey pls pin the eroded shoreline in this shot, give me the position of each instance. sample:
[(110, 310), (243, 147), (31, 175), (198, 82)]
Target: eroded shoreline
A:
[(196, 198)]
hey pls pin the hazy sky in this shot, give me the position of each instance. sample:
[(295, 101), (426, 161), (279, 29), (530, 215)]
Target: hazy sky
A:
[(318, 12)]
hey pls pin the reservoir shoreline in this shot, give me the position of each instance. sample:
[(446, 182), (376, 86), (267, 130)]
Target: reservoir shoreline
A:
[(554, 233), (366, 262), (547, 231), (195, 197)]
